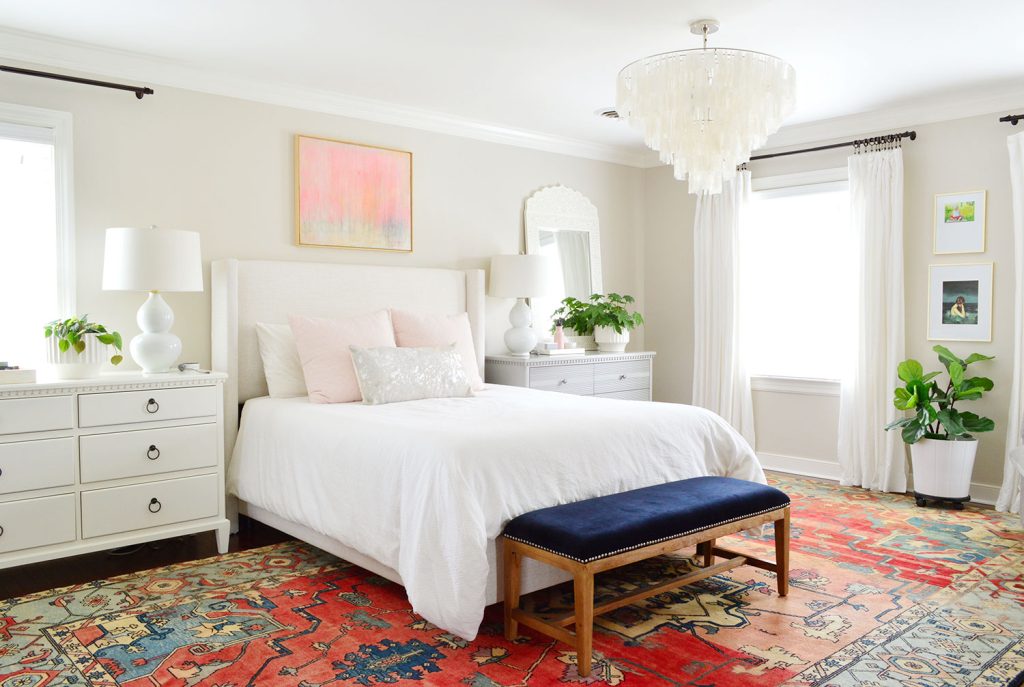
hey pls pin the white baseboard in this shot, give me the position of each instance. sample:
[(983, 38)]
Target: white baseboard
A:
[(829, 469)]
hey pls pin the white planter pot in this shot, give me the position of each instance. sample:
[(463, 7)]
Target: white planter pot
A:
[(942, 469), (72, 365), (587, 343), (609, 340)]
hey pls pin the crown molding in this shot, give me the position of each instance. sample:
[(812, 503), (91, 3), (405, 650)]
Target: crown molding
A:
[(37, 49)]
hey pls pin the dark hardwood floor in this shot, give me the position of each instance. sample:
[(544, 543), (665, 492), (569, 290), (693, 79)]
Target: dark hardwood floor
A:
[(27, 579)]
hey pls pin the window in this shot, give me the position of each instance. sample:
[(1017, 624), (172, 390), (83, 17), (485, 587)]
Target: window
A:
[(36, 275), (797, 280)]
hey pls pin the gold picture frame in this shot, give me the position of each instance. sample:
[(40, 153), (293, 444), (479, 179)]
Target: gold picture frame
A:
[(352, 195), (953, 232), (960, 301)]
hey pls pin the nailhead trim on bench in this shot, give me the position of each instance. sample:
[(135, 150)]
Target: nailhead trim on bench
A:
[(648, 543)]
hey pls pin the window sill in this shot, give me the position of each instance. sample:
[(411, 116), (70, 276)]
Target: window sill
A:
[(795, 385)]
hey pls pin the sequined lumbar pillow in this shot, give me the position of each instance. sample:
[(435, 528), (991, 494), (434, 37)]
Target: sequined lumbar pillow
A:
[(390, 375)]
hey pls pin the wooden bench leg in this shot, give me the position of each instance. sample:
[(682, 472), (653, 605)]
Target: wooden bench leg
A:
[(782, 553), (511, 568), (583, 599), (709, 552)]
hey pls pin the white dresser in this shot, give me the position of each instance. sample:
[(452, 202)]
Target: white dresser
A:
[(99, 463), (608, 375)]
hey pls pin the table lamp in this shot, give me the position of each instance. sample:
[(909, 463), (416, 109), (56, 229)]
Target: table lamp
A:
[(521, 277), (153, 260)]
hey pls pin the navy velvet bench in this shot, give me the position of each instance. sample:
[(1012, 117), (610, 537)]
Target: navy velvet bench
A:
[(595, 535)]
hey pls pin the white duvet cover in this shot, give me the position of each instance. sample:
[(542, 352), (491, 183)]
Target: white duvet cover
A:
[(423, 486)]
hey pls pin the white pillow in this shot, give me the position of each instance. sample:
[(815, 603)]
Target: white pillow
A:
[(390, 375), (281, 364)]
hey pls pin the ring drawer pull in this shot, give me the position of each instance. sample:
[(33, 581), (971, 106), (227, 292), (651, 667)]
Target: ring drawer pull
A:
[(155, 502), (1, 472), (1, 530), (621, 377), (562, 381), (152, 406), (153, 453)]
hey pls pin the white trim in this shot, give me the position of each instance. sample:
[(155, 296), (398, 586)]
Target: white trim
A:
[(940, 108), (799, 465), (61, 125), (795, 385), (821, 468), (819, 179), (37, 49)]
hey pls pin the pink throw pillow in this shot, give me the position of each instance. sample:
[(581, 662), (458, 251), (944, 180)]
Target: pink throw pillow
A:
[(414, 330), (323, 346)]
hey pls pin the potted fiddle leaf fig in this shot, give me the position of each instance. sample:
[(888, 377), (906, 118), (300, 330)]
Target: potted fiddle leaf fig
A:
[(941, 435), (78, 348)]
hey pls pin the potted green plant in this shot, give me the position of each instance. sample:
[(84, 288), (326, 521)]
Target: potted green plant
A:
[(78, 348), (940, 435), (576, 317)]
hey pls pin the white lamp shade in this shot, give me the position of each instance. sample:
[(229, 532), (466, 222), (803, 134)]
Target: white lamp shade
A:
[(522, 276), (152, 260)]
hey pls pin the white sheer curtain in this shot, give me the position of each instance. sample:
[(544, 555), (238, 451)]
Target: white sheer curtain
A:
[(869, 456), (1011, 479), (720, 382)]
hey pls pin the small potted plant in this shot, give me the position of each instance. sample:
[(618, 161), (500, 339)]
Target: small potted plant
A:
[(78, 348), (941, 436), (576, 317), (613, 321)]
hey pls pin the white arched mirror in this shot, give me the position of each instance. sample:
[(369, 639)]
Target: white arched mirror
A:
[(562, 223)]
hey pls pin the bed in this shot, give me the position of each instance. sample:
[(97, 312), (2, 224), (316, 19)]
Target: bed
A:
[(417, 492)]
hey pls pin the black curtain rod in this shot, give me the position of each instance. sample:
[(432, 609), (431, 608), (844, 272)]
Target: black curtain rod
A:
[(139, 91), (1012, 119), (874, 140)]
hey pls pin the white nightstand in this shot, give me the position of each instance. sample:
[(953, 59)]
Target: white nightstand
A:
[(99, 463), (608, 375)]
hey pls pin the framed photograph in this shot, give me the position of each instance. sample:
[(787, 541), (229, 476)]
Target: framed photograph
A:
[(959, 223), (352, 196), (960, 302)]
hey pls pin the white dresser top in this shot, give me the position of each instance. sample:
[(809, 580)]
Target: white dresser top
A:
[(112, 381), (571, 359)]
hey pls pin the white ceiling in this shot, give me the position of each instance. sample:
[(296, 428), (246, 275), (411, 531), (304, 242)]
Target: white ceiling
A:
[(545, 66)]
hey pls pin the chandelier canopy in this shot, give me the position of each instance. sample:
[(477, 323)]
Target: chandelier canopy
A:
[(704, 110)]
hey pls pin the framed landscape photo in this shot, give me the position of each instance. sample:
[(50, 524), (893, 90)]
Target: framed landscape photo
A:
[(960, 302), (349, 195), (959, 224)]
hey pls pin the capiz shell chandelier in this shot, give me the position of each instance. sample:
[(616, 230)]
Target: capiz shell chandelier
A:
[(704, 110)]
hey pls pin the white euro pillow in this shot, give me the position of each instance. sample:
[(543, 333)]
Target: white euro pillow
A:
[(281, 364), (390, 375)]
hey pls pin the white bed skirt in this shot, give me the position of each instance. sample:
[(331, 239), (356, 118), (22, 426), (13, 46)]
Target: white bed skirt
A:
[(535, 575)]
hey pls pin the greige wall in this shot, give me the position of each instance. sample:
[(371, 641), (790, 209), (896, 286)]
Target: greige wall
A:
[(960, 155), (223, 166)]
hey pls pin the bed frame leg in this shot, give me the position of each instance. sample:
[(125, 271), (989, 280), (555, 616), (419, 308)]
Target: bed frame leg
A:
[(782, 553), (511, 567), (583, 598)]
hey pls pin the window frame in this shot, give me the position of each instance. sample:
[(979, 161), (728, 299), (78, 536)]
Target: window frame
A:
[(14, 116), (812, 181)]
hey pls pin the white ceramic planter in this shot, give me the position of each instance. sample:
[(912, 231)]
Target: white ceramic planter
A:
[(942, 469), (609, 340), (72, 365), (587, 343)]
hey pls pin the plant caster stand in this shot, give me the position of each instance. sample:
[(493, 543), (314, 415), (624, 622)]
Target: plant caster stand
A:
[(949, 501)]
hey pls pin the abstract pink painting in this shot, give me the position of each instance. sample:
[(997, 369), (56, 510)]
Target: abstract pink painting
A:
[(352, 196)]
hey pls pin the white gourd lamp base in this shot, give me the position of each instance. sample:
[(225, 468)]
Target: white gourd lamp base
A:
[(155, 349), (520, 338)]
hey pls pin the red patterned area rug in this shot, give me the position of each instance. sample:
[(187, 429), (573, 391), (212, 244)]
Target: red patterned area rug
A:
[(882, 593)]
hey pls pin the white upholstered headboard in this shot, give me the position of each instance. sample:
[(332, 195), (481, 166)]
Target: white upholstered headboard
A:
[(249, 291)]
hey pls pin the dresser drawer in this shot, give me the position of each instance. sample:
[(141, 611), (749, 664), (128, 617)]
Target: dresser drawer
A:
[(37, 522), (40, 414), (147, 452), (123, 509), (123, 407), (27, 465), (569, 379), (634, 395), (627, 375)]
